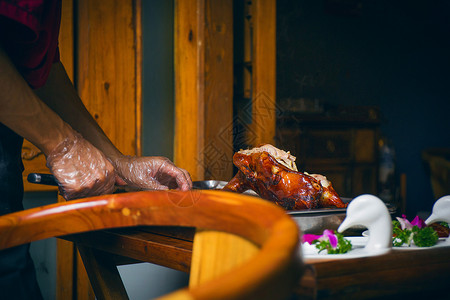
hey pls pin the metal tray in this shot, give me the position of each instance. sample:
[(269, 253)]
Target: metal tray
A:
[(310, 221), (209, 184)]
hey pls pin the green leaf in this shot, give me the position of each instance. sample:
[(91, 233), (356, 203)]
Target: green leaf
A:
[(343, 245), (401, 237), (422, 237), (425, 237)]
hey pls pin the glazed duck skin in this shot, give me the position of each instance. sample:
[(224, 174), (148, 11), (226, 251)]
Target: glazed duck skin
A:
[(280, 182), (329, 196)]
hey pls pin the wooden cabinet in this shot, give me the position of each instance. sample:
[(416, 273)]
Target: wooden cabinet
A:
[(344, 149)]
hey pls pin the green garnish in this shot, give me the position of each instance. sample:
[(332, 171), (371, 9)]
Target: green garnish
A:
[(401, 236), (343, 245), (331, 241), (406, 232), (424, 237)]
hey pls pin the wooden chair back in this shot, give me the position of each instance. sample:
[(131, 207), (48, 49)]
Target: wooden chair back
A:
[(269, 271)]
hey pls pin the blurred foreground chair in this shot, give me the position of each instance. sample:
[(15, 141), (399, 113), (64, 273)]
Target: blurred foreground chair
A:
[(267, 267)]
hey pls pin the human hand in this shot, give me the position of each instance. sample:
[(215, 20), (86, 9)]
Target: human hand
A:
[(151, 173), (81, 169)]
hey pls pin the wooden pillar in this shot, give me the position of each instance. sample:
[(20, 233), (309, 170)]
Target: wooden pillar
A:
[(204, 88), (65, 250), (107, 66), (204, 115), (264, 110), (105, 42)]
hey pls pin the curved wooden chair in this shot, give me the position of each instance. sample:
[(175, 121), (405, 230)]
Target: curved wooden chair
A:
[(271, 273)]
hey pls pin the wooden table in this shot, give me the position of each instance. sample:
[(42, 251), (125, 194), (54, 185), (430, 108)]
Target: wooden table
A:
[(424, 272)]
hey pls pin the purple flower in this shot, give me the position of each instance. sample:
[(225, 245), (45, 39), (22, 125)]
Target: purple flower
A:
[(327, 235), (309, 238), (418, 222), (405, 224)]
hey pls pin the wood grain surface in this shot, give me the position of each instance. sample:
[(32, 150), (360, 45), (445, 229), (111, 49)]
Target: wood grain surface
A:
[(398, 274), (204, 88), (271, 272), (264, 108)]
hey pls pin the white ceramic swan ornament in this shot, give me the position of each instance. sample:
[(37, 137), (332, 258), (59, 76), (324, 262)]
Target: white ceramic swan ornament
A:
[(440, 213), (369, 211)]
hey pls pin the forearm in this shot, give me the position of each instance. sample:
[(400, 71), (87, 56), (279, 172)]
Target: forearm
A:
[(23, 112), (60, 95), (142, 172)]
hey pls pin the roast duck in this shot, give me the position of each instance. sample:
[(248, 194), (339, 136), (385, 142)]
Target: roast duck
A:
[(273, 175)]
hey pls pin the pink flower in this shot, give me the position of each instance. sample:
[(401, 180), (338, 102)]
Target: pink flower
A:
[(327, 235), (309, 238), (418, 222), (405, 224)]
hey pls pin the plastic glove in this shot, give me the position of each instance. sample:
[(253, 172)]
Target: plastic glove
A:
[(81, 169), (151, 173)]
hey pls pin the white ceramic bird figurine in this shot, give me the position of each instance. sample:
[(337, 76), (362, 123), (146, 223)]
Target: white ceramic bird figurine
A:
[(440, 213), (369, 211)]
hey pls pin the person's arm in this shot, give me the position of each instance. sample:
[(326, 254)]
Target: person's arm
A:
[(60, 95), (23, 112), (80, 168), (138, 172)]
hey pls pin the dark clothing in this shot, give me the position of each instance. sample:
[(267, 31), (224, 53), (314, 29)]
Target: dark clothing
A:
[(17, 273), (29, 32), (11, 168)]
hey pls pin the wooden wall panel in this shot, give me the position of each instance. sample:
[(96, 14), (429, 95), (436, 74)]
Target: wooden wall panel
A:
[(108, 77), (218, 145), (106, 68), (64, 249), (204, 88), (189, 92), (264, 72), (66, 37)]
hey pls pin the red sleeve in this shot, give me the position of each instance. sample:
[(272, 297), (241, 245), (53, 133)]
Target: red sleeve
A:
[(29, 32)]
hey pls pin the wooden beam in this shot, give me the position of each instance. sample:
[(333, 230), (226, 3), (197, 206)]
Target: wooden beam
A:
[(137, 11), (65, 281), (65, 250), (106, 68), (264, 108), (108, 79), (204, 88), (104, 276), (189, 89), (218, 145)]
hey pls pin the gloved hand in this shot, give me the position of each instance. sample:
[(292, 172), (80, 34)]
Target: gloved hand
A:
[(151, 173), (81, 169)]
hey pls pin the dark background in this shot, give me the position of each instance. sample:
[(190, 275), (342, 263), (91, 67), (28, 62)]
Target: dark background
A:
[(390, 54)]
